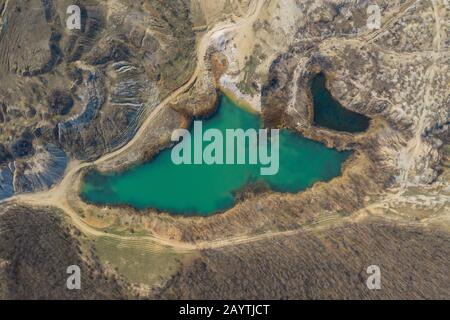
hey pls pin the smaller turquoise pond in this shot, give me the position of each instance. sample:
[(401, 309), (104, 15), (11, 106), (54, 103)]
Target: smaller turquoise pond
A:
[(208, 189)]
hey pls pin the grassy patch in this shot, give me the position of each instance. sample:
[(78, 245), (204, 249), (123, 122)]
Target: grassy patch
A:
[(245, 86), (140, 262)]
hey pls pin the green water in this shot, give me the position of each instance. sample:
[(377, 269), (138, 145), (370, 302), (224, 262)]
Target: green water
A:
[(328, 113), (207, 189)]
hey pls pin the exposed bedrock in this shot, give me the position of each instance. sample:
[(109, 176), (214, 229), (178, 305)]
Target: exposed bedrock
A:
[(45, 168), (111, 116), (6, 181)]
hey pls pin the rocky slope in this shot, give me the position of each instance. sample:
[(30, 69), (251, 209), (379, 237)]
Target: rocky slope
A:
[(84, 91)]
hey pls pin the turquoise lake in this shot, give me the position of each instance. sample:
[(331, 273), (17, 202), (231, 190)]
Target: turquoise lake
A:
[(191, 189)]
